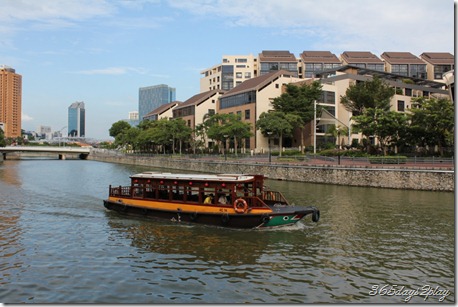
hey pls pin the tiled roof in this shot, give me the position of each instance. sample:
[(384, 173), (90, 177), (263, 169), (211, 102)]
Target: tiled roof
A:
[(256, 83), (401, 58), (199, 98), (276, 56), (354, 57), (319, 57), (438, 58), (165, 107)]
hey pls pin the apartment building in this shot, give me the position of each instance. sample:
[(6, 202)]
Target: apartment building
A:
[(195, 109), (233, 70), (409, 75), (10, 102), (253, 97), (272, 61), (312, 62), (336, 82), (363, 59), (404, 64), (438, 64), (164, 111), (238, 68)]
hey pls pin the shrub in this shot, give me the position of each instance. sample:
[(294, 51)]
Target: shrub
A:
[(388, 159)]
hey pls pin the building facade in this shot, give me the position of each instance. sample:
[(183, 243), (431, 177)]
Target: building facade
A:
[(164, 111), (253, 97), (132, 118), (404, 64), (195, 110), (438, 64), (313, 62), (77, 120), (152, 97), (10, 102), (233, 70)]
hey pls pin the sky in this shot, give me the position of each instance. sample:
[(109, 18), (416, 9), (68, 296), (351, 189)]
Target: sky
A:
[(102, 51)]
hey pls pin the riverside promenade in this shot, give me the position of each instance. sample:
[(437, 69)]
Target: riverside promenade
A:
[(417, 174)]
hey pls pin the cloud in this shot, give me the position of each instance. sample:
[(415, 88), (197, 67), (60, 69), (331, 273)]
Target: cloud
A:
[(26, 118), (406, 24), (113, 71)]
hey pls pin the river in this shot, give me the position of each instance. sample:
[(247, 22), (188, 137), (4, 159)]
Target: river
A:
[(58, 244)]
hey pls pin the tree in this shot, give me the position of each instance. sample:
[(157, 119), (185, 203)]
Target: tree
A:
[(374, 94), (218, 126), (279, 124), (432, 122), (118, 127), (299, 100), (2, 138), (387, 126), (337, 131), (180, 131)]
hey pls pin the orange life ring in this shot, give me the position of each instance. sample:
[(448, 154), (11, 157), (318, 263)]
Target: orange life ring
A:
[(240, 205)]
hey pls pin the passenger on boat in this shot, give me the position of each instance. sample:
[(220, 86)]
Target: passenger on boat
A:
[(222, 199), (209, 199)]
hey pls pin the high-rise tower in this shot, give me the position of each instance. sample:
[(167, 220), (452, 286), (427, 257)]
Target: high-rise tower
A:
[(77, 119), (152, 97), (10, 101)]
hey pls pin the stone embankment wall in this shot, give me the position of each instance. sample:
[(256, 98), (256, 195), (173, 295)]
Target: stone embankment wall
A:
[(395, 178)]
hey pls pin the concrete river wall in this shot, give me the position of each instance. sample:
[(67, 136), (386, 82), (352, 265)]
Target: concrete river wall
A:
[(391, 177)]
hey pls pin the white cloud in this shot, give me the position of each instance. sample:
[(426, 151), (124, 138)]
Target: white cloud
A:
[(26, 118), (407, 25)]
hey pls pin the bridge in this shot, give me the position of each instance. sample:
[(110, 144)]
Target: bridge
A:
[(83, 152)]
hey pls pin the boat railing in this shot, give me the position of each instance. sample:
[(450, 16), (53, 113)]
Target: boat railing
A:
[(273, 197), (121, 191), (267, 198)]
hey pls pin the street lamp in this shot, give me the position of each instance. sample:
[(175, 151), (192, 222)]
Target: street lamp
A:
[(338, 144), (269, 133), (225, 145)]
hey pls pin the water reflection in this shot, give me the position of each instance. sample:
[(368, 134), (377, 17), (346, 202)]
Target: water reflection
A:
[(61, 246)]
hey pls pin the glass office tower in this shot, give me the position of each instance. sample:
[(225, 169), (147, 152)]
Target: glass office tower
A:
[(152, 97), (77, 120)]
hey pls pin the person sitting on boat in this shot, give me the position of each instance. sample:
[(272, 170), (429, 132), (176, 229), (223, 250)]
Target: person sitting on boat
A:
[(209, 199), (222, 199)]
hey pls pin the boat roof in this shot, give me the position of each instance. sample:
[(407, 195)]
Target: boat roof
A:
[(201, 177)]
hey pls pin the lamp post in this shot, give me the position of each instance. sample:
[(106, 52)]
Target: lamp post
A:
[(224, 147), (338, 144), (269, 133)]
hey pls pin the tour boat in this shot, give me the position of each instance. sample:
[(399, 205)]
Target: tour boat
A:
[(229, 200)]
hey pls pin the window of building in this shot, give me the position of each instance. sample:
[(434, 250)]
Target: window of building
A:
[(408, 92), (439, 70), (401, 106), (247, 75), (247, 114), (400, 69), (238, 75), (238, 100), (241, 60)]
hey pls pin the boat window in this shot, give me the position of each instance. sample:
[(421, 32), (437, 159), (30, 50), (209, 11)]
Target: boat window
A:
[(206, 192), (138, 191), (163, 192), (178, 192), (224, 196), (192, 194)]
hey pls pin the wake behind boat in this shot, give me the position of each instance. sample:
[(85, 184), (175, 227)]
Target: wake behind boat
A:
[(229, 200)]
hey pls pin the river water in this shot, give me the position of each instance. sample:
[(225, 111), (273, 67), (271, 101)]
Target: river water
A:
[(58, 244)]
